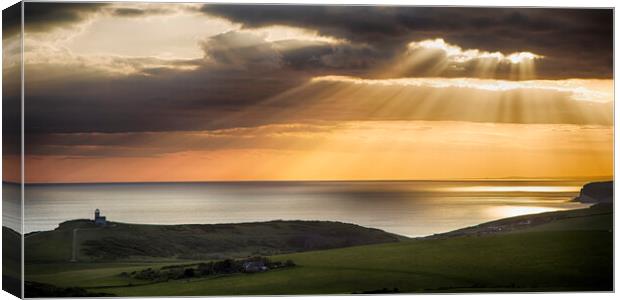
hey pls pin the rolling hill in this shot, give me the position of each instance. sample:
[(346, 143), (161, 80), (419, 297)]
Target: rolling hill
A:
[(567, 251), (134, 242)]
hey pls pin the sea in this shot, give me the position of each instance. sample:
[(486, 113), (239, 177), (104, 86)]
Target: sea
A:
[(409, 208)]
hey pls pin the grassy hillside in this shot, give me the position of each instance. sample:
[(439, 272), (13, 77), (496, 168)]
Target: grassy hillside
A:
[(596, 217), (133, 242), (572, 251), (11, 261)]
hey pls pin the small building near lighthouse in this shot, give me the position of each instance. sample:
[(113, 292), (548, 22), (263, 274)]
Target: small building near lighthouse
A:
[(99, 219)]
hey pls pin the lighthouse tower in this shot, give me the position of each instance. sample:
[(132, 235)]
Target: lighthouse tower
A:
[(99, 219)]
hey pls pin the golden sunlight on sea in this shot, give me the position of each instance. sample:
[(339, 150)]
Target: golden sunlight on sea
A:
[(507, 211)]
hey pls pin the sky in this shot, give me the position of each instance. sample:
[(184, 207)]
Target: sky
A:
[(127, 92)]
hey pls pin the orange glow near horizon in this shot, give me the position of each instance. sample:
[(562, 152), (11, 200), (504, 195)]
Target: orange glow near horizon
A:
[(383, 150)]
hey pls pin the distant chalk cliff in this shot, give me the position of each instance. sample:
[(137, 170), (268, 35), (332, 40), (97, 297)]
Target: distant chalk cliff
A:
[(597, 192)]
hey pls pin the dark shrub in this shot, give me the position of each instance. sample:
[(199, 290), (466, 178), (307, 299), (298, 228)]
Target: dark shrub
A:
[(289, 263), (188, 273), (205, 269), (226, 266)]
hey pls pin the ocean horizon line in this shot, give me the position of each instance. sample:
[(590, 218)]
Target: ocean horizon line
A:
[(506, 179)]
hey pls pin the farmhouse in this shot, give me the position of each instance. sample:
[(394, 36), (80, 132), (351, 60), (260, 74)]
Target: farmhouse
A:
[(254, 267)]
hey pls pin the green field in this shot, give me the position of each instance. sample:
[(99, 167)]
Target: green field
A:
[(564, 254)]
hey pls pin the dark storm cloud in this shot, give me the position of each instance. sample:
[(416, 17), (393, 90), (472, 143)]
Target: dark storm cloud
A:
[(344, 58), (163, 100), (11, 83), (129, 12), (45, 16), (217, 98), (242, 50), (575, 42), (138, 12), (240, 71), (11, 20), (245, 50)]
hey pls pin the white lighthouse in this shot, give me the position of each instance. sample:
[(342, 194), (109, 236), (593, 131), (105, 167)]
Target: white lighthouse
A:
[(99, 219)]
